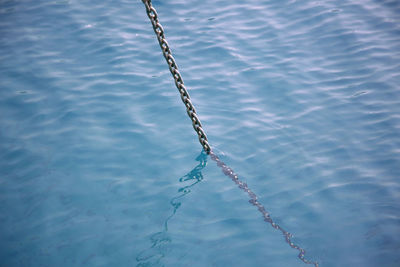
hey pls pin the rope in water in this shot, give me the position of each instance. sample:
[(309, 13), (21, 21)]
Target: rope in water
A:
[(173, 68), (158, 29)]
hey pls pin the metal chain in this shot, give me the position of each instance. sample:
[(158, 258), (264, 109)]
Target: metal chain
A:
[(254, 201), (159, 31)]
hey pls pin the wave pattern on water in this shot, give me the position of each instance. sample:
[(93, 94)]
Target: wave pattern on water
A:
[(301, 96)]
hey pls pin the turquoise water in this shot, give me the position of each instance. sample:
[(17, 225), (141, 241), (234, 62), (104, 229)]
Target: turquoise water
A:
[(100, 166)]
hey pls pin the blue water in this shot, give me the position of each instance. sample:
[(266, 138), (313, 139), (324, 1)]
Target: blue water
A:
[(100, 166)]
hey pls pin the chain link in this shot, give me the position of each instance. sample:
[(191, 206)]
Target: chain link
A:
[(254, 201), (173, 68), (158, 29)]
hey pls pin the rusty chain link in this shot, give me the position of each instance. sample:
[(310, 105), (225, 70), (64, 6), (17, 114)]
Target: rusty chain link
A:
[(173, 68)]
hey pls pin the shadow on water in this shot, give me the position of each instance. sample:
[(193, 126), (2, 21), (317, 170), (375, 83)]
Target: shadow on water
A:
[(159, 241)]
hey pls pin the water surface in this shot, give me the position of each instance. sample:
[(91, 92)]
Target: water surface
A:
[(300, 98)]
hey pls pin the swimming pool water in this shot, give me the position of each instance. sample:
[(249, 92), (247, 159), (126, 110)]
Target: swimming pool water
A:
[(99, 164)]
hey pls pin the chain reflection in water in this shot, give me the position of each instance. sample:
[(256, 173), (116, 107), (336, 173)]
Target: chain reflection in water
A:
[(153, 255), (253, 200)]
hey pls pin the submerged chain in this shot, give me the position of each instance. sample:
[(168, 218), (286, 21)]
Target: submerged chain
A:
[(173, 68), (254, 201)]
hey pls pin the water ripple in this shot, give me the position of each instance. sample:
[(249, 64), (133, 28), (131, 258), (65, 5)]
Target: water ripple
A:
[(301, 96)]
